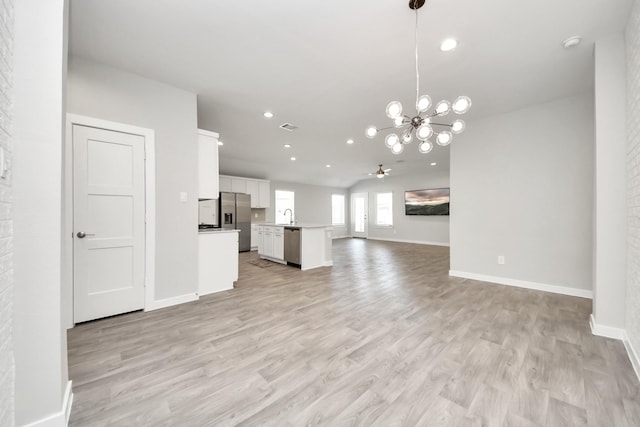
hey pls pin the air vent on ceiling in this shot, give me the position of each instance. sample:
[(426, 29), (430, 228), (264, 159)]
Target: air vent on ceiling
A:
[(288, 126)]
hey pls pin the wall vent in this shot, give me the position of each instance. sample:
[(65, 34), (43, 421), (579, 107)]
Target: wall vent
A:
[(288, 126)]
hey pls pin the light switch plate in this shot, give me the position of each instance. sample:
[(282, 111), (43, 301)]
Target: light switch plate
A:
[(183, 196)]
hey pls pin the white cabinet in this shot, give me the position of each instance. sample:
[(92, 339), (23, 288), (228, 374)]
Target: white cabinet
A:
[(217, 261), (238, 185), (253, 191), (225, 183), (208, 186), (264, 194), (271, 242), (254, 236), (258, 189), (278, 242)]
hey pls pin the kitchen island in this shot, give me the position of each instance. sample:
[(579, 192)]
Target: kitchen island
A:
[(314, 246), (217, 260)]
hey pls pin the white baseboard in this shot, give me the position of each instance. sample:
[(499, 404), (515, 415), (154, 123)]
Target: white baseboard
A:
[(563, 290), (60, 418), (340, 237), (605, 331), (417, 242), (633, 355), (168, 302)]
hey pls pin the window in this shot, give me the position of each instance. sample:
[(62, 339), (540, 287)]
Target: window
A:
[(337, 209), (384, 209), (284, 207)]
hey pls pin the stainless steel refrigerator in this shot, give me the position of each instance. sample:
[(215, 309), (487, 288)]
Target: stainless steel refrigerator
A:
[(235, 213)]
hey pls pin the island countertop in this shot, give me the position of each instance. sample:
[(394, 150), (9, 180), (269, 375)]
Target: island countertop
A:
[(296, 225), (217, 231)]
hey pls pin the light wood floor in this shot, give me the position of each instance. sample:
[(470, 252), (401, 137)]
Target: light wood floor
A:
[(384, 337)]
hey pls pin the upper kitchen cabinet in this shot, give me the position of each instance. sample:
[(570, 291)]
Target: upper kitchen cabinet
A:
[(259, 189), (225, 183), (208, 184)]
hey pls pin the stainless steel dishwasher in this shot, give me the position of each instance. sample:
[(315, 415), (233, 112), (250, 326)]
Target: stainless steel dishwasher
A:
[(292, 246)]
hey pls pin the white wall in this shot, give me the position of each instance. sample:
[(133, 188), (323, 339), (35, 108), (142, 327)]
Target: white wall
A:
[(312, 204), (40, 340), (632, 321), (609, 260), (7, 361), (407, 228), (106, 93), (522, 188)]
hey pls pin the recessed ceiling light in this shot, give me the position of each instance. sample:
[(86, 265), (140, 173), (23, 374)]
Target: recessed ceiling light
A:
[(268, 114), (350, 141), (327, 166), (571, 42), (220, 143), (293, 158), (287, 145), (448, 45), (433, 163)]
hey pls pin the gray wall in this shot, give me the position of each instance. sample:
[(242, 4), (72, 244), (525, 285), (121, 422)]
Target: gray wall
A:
[(7, 284), (39, 92), (312, 204), (106, 93), (523, 186), (417, 229), (632, 321)]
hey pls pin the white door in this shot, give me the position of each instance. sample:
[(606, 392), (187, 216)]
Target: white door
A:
[(360, 215), (108, 221)]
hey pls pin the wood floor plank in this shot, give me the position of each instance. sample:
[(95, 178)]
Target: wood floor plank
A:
[(381, 338)]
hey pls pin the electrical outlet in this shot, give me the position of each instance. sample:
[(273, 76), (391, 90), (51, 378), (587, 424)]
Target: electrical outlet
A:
[(501, 259)]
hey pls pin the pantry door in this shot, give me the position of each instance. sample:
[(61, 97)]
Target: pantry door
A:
[(108, 222)]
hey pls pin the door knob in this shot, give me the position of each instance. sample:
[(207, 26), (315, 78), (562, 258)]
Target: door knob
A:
[(82, 234)]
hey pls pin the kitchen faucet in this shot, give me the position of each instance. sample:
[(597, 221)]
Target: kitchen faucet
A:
[(290, 216)]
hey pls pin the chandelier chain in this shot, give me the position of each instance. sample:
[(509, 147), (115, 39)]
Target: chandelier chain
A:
[(417, 70)]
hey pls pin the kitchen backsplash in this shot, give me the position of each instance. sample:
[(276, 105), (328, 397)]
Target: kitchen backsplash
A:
[(258, 215)]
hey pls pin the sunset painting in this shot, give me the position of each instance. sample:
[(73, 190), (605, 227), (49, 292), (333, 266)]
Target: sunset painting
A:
[(427, 202)]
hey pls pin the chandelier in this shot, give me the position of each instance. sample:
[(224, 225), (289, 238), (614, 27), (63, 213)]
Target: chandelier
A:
[(424, 124)]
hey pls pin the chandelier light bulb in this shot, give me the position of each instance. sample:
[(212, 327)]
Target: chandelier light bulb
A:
[(423, 104), (398, 148), (394, 109), (398, 121), (380, 175), (407, 137), (444, 138), (371, 132), (391, 140), (425, 147), (424, 132), (457, 126), (461, 105), (443, 107)]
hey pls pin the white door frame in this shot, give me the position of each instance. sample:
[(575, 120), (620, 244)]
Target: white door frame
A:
[(353, 215), (150, 208)]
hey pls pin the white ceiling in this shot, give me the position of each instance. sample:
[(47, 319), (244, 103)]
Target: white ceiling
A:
[(331, 66)]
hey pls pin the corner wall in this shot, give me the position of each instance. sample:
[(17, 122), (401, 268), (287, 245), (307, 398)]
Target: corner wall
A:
[(42, 391), (107, 93), (7, 360), (523, 186), (632, 320), (610, 240)]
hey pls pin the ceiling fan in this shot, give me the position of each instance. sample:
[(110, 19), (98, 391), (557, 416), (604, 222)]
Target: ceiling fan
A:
[(381, 173)]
